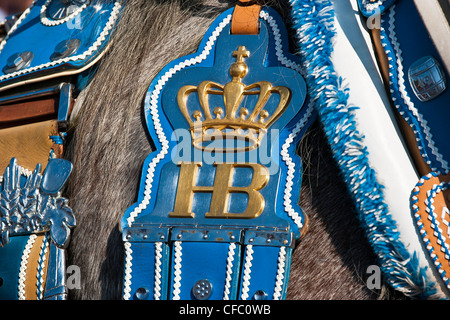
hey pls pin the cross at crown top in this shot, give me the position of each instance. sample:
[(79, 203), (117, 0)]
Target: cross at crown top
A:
[(241, 53)]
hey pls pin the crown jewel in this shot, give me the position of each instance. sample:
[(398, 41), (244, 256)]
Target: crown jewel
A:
[(233, 121)]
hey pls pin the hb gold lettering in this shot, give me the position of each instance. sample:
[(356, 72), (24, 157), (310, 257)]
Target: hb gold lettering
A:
[(220, 191)]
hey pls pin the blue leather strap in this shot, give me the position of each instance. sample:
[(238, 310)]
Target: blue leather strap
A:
[(193, 262), (10, 262), (265, 273), (150, 270)]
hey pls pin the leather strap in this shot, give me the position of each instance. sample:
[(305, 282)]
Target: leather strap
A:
[(36, 271), (245, 18), (9, 114), (430, 202), (30, 144)]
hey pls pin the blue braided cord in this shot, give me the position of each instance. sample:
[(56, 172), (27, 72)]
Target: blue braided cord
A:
[(314, 22), (57, 139), (40, 268)]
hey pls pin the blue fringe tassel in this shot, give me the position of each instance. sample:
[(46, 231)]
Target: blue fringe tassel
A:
[(314, 22)]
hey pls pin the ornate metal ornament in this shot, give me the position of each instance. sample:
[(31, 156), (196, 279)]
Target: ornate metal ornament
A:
[(427, 78), (31, 204), (223, 181)]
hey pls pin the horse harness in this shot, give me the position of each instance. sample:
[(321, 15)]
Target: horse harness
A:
[(217, 214)]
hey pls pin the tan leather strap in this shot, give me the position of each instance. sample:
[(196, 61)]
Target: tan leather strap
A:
[(425, 193), (30, 144), (33, 269), (245, 18), (28, 110)]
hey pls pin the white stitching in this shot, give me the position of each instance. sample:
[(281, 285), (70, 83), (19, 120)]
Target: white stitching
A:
[(128, 270), (247, 270), (158, 258), (24, 265), (280, 273), (47, 22), (228, 277), (177, 271)]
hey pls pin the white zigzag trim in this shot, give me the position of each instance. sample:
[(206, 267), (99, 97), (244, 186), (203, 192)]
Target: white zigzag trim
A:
[(50, 23), (280, 273), (128, 265), (298, 127), (109, 25), (291, 167), (247, 271), (41, 266), (24, 266), (158, 258), (228, 278), (177, 271), (404, 93), (152, 100)]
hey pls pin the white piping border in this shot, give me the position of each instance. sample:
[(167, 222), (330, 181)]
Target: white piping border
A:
[(128, 270), (228, 278), (152, 100), (247, 270), (41, 266), (177, 270), (280, 273), (158, 262)]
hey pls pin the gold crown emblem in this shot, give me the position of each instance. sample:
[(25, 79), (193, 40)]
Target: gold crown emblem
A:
[(235, 122)]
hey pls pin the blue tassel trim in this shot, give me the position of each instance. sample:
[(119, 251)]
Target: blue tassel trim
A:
[(314, 22)]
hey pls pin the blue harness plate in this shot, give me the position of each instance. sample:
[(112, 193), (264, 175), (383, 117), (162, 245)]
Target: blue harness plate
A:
[(38, 46), (217, 213)]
